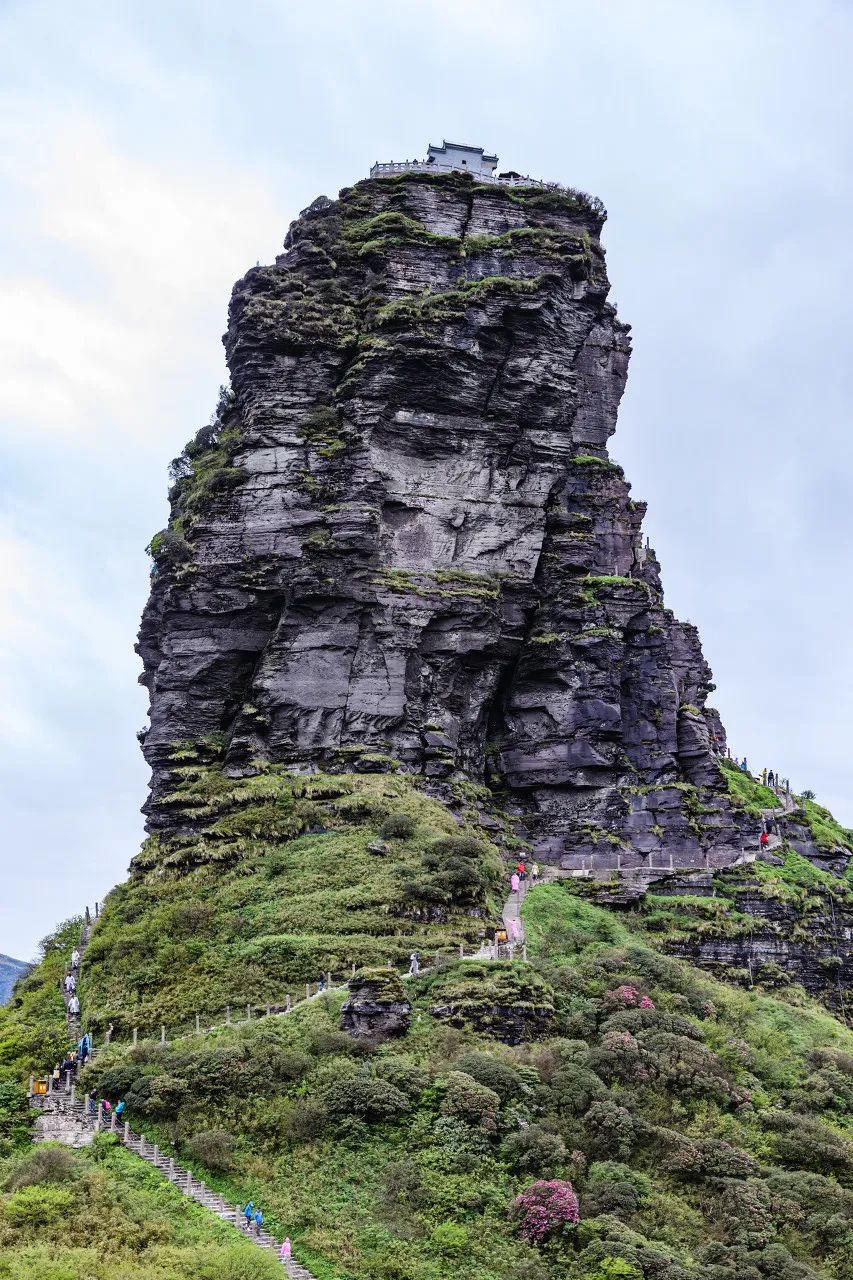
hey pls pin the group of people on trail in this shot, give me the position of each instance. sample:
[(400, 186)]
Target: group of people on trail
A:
[(69, 984), (775, 782), (255, 1221), (520, 875), (768, 777)]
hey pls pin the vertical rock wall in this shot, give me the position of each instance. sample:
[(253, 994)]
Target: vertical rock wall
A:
[(403, 537)]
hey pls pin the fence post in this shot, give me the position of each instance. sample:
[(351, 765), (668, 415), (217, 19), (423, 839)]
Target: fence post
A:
[(135, 1034), (353, 968), (112, 1122), (248, 1013), (228, 1014), (155, 1152), (329, 978), (307, 990), (32, 1083), (287, 1003), (162, 1033), (172, 1167), (461, 950), (73, 1094), (126, 1137), (198, 1024), (524, 952), (390, 964), (268, 1011), (99, 1119)]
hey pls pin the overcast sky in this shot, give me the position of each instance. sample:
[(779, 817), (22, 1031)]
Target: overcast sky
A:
[(151, 153)]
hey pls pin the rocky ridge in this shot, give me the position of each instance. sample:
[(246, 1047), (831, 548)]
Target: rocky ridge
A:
[(401, 541)]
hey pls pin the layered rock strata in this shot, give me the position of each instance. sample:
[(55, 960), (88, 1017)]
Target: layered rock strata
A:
[(402, 537)]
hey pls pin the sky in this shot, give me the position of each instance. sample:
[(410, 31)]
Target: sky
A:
[(151, 153)]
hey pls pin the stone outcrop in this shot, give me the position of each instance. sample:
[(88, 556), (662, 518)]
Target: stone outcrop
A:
[(402, 536), (377, 1007)]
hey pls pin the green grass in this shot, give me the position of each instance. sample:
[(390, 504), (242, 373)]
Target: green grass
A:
[(255, 905), (746, 792), (828, 833), (103, 1214)]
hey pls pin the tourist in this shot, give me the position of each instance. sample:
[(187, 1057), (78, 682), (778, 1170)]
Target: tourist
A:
[(92, 1102), (321, 983), (414, 965), (514, 881), (247, 1214), (84, 1048), (285, 1250), (514, 929), (764, 840), (259, 1221), (106, 1106), (534, 872), (74, 1007), (764, 777), (771, 779), (743, 766), (67, 1066), (55, 1077), (522, 872), (121, 1107), (75, 959)]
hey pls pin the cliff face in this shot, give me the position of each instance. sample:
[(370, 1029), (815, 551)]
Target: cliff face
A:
[(402, 538)]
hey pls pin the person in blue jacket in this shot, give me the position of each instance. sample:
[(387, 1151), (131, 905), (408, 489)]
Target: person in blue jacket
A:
[(259, 1221), (247, 1214)]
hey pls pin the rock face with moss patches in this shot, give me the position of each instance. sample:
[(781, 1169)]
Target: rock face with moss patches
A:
[(377, 1007), (402, 536)]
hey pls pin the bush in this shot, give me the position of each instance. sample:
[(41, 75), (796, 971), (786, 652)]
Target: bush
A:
[(38, 1206), (398, 826), (545, 1208), (450, 1239), (365, 1098), (410, 1079), (213, 1148), (44, 1163), (304, 1119), (470, 1102), (535, 1151), (614, 1188), (493, 1073)]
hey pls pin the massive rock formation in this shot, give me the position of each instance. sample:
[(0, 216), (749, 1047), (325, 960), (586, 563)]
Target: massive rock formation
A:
[(402, 536)]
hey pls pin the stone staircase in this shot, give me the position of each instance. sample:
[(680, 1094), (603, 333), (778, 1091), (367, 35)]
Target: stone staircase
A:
[(64, 1118)]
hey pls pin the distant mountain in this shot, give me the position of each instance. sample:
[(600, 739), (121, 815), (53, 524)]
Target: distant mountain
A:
[(9, 970)]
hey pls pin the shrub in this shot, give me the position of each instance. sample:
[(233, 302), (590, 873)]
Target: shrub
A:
[(614, 1188), (449, 1238), (38, 1206), (214, 1148), (493, 1073), (611, 1128), (398, 826), (304, 1119), (365, 1098), (575, 1088), (47, 1163), (805, 1143), (545, 1208), (535, 1151), (410, 1079), (469, 1101)]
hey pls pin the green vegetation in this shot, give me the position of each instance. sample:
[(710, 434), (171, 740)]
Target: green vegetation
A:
[(592, 460), (102, 1214), (669, 1100), (746, 792), (32, 1024), (828, 833), (453, 304), (442, 584), (323, 431), (206, 467), (276, 883)]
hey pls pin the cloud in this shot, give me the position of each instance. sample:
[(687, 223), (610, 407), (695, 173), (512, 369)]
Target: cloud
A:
[(127, 295)]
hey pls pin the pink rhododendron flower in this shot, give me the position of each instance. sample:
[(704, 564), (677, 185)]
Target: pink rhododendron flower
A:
[(544, 1207), (646, 1003)]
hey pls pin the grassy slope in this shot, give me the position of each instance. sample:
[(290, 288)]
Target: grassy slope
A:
[(104, 1215), (711, 1136), (708, 1138), (250, 909)]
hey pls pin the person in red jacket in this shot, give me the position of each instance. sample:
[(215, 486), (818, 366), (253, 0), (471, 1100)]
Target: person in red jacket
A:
[(764, 840)]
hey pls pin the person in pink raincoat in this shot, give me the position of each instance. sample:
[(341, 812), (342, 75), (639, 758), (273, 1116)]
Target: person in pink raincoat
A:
[(514, 881), (514, 929), (285, 1250)]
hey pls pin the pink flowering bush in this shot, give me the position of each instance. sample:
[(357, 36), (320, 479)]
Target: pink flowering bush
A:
[(544, 1207), (627, 996)]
